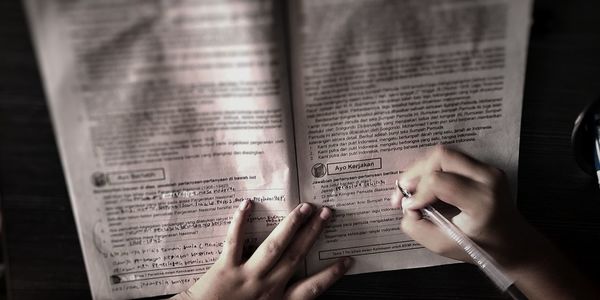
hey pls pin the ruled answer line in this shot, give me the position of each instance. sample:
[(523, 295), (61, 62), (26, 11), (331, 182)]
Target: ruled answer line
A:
[(216, 236), (162, 269), (159, 277)]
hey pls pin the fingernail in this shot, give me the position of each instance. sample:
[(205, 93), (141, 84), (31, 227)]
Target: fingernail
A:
[(407, 203), (305, 209), (407, 184), (325, 213), (403, 182), (244, 205), (347, 262)]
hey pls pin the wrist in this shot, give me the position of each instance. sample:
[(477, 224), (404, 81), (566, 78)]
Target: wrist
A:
[(514, 244)]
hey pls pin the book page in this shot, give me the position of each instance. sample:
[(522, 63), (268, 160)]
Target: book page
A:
[(375, 83), (167, 114)]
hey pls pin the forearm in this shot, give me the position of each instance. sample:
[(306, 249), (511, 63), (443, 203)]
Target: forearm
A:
[(542, 272)]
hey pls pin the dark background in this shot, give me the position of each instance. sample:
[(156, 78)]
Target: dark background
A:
[(39, 237)]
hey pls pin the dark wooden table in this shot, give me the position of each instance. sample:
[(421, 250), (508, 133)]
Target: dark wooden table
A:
[(563, 75)]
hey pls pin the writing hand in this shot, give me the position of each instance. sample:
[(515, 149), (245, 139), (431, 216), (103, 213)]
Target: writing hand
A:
[(479, 191), (489, 217)]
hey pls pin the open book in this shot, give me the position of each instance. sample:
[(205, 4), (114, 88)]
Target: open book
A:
[(169, 113)]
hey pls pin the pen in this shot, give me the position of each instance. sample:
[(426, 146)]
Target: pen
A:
[(596, 126), (481, 258)]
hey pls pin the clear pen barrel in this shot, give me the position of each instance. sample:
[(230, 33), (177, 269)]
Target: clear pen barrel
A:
[(483, 260)]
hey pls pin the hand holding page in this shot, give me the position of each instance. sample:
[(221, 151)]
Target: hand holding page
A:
[(168, 115)]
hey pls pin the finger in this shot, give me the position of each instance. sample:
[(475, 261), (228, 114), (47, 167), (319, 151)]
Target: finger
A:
[(410, 177), (448, 160), (315, 285), (429, 235), (234, 241), (267, 254), (457, 162), (411, 215), (304, 240), (465, 194), (396, 199)]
